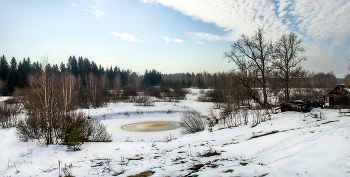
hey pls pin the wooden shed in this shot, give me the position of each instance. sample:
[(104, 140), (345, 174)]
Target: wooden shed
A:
[(339, 97)]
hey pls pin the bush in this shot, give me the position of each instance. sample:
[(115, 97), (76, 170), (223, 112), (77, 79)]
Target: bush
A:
[(203, 96), (85, 99), (35, 127), (144, 101), (169, 96), (180, 93), (8, 113), (154, 91), (193, 122), (129, 90), (98, 132), (216, 96)]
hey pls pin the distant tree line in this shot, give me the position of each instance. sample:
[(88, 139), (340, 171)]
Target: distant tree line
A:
[(199, 80), (15, 75), (113, 79)]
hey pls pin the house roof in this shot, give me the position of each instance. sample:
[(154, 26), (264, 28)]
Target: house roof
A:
[(341, 90)]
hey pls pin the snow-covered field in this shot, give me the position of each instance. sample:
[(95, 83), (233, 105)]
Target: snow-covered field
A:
[(292, 144)]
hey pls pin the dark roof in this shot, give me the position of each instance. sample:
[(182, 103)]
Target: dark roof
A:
[(341, 90)]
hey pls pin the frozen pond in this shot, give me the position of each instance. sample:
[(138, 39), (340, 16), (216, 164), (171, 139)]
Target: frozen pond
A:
[(152, 126)]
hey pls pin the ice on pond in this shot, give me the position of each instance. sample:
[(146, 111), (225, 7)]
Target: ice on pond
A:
[(152, 126)]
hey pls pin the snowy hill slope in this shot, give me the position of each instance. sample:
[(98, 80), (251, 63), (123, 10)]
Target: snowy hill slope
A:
[(290, 144)]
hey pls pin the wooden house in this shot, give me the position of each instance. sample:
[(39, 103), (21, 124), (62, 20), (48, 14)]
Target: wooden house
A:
[(339, 97)]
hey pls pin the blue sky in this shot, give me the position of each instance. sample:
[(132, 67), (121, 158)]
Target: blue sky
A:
[(170, 36)]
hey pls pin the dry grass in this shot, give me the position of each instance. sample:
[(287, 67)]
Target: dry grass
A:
[(268, 133), (144, 174), (228, 171), (330, 121), (210, 153)]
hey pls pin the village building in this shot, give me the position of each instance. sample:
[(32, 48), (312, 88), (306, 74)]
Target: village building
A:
[(338, 97)]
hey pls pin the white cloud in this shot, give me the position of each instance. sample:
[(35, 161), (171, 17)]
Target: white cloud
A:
[(74, 5), (234, 16), (94, 10), (324, 25), (321, 21), (282, 14), (168, 39), (97, 12), (197, 36), (177, 40), (94, 7), (126, 36), (151, 38), (283, 4)]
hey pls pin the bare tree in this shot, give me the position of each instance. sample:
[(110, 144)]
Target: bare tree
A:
[(116, 87), (286, 61), (347, 79), (94, 89), (68, 87), (43, 86), (253, 55)]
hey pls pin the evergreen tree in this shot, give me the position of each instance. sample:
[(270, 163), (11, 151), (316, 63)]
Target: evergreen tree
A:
[(200, 83), (73, 65), (24, 69), (152, 78), (62, 68), (101, 70), (4, 71), (74, 140), (4, 68), (22, 75), (94, 69), (14, 79), (86, 71), (36, 67)]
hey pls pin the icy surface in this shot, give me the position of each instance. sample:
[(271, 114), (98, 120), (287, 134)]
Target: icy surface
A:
[(291, 144)]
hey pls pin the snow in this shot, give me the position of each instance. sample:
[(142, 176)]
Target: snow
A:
[(300, 146)]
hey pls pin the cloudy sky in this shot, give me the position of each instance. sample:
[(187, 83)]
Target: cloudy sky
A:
[(171, 36)]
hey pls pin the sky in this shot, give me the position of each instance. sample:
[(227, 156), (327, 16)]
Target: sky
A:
[(171, 36)]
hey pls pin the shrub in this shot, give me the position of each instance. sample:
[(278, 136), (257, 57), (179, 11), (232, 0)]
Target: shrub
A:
[(34, 127), (216, 96), (84, 98), (203, 96), (180, 93), (230, 117), (129, 90), (192, 122), (154, 91), (168, 96), (8, 113), (98, 132), (144, 101)]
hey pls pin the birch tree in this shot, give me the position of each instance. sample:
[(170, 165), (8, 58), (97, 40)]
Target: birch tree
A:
[(42, 85)]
